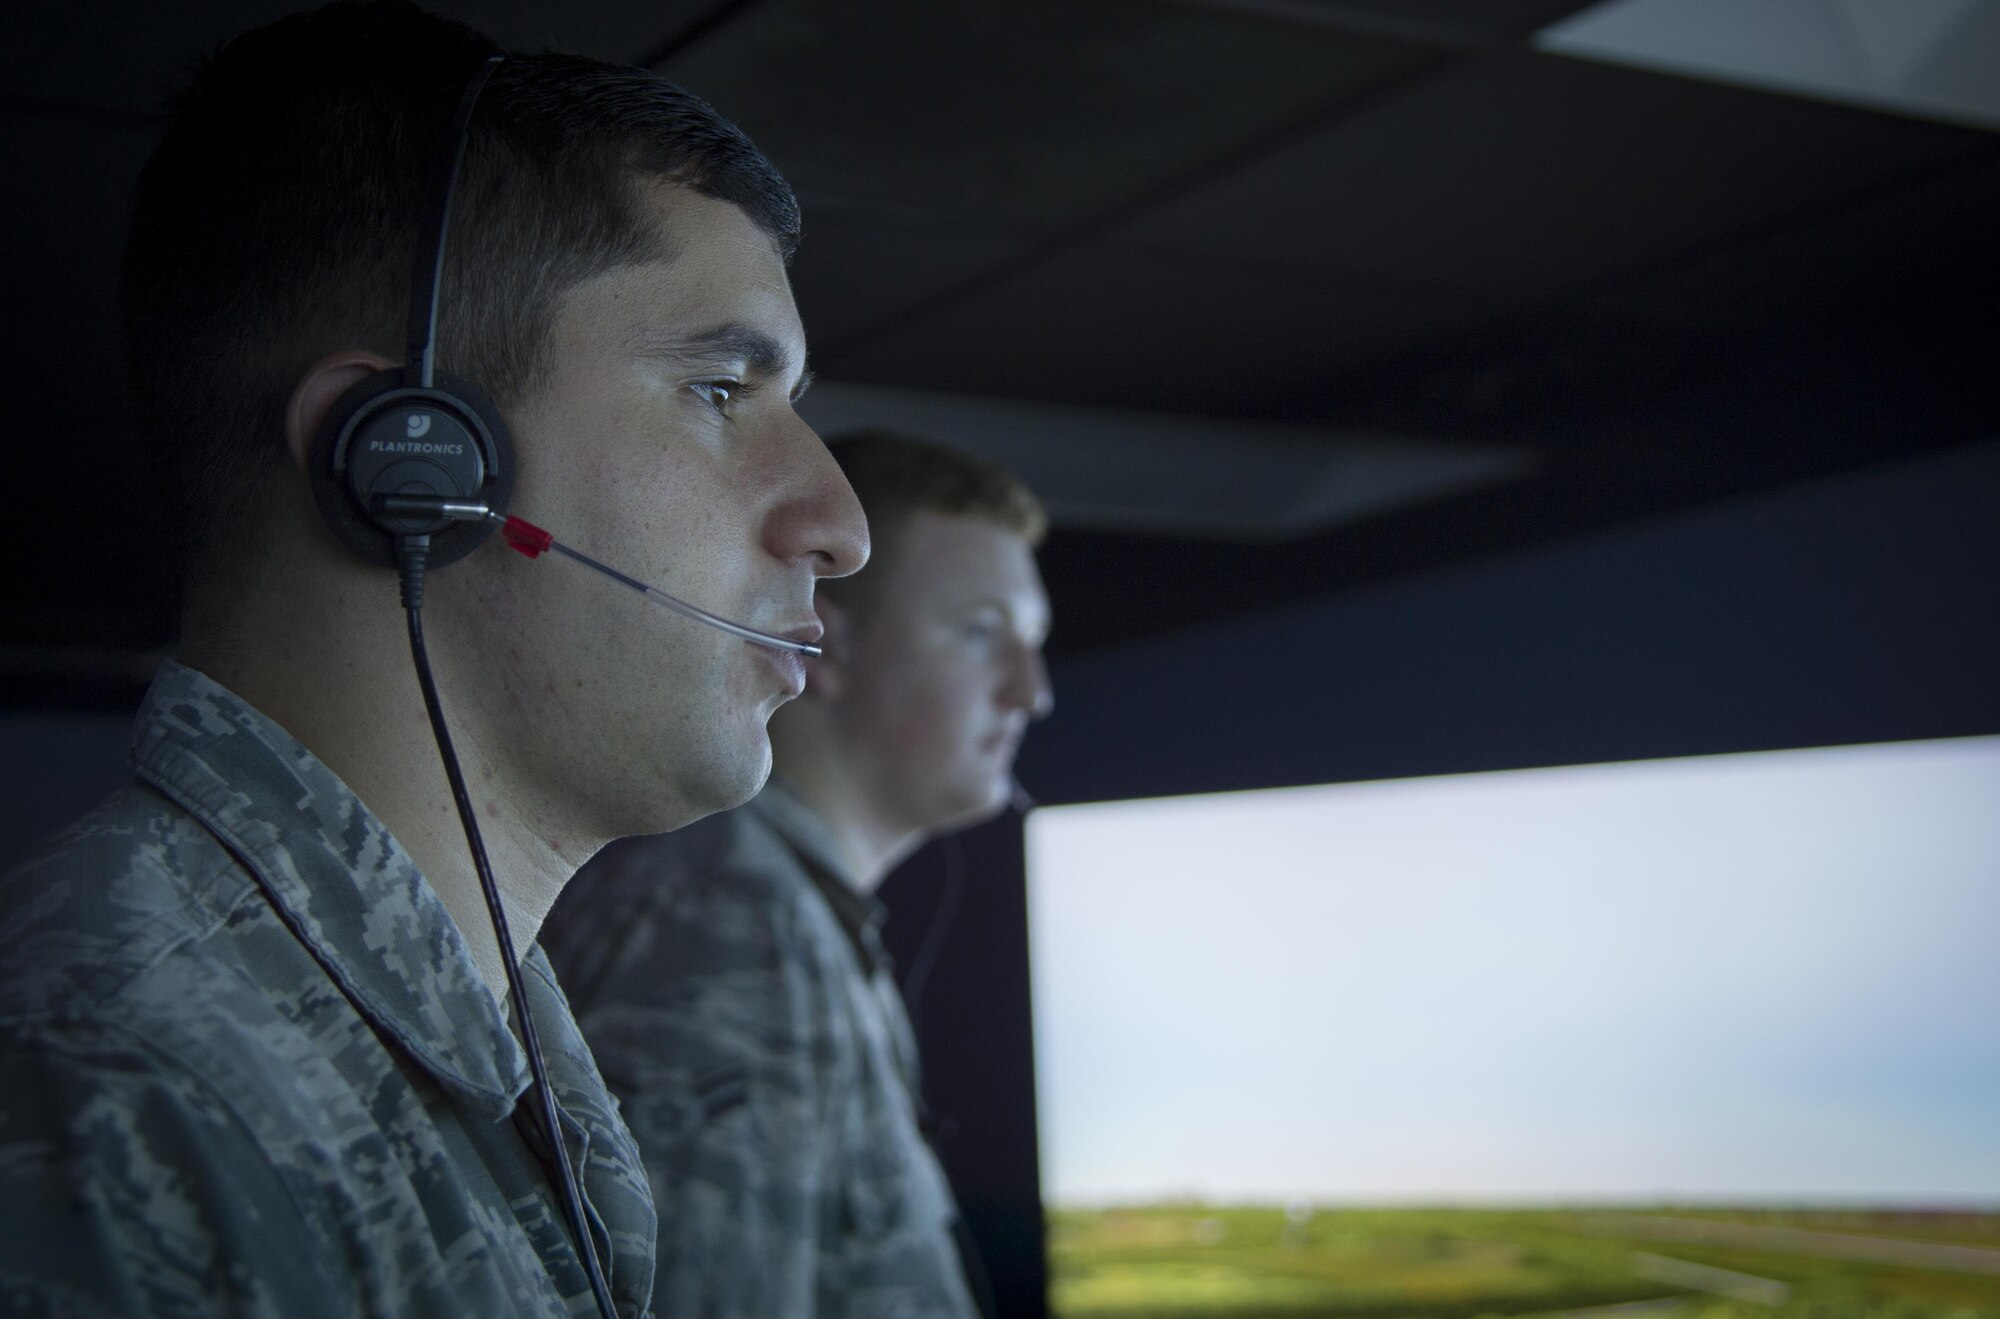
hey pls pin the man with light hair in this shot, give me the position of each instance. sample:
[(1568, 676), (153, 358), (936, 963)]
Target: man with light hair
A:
[(730, 977)]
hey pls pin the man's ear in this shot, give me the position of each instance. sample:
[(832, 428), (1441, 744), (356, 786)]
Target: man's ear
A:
[(826, 677), (323, 382)]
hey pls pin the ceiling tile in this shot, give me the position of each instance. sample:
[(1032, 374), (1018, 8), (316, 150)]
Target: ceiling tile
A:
[(1530, 174), (853, 268), (1125, 470), (1040, 112), (1918, 254), (1470, 19), (1127, 328), (1938, 58)]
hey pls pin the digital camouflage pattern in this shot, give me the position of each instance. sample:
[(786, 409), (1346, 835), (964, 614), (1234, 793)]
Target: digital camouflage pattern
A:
[(247, 1065), (736, 994)]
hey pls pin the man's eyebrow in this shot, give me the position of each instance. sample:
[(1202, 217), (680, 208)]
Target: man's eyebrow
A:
[(754, 348), (1005, 605)]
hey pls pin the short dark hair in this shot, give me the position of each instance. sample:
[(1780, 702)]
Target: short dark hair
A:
[(896, 475), (277, 222)]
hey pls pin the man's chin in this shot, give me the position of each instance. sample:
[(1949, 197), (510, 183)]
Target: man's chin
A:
[(722, 783), (974, 805), (751, 772)]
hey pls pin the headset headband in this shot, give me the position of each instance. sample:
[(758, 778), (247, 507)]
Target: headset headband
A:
[(428, 275)]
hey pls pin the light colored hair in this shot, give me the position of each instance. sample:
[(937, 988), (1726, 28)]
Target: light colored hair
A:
[(896, 476)]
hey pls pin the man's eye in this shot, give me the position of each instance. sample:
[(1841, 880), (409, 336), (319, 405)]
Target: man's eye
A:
[(715, 393)]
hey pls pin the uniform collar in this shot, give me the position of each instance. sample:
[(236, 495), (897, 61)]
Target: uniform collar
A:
[(336, 876), (810, 837)]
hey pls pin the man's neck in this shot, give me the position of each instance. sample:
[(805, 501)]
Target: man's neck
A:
[(870, 846), (353, 701)]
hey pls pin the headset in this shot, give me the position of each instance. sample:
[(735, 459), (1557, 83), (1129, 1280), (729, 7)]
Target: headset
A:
[(412, 469), (411, 431)]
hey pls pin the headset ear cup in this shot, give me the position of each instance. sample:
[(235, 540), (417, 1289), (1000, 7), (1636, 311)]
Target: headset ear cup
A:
[(379, 437), (345, 518), (496, 490)]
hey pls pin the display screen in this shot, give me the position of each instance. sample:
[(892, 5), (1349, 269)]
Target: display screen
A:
[(1737, 988)]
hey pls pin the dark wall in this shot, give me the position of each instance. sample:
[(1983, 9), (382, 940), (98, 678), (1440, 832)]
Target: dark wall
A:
[(1859, 608), (58, 765)]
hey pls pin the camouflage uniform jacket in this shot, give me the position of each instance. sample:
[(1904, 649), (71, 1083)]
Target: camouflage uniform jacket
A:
[(247, 1066), (736, 994)]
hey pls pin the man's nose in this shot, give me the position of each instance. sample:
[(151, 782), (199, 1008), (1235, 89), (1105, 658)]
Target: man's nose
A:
[(1028, 684), (822, 523)]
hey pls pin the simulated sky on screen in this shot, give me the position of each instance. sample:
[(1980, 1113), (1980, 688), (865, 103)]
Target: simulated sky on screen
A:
[(1758, 977)]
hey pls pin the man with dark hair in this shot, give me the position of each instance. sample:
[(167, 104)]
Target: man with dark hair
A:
[(255, 1055), (730, 977)]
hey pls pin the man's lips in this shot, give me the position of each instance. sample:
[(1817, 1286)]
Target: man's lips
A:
[(789, 664), (809, 633), (1004, 740)]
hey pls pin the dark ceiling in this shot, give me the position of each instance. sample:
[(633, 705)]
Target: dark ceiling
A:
[(1391, 217)]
